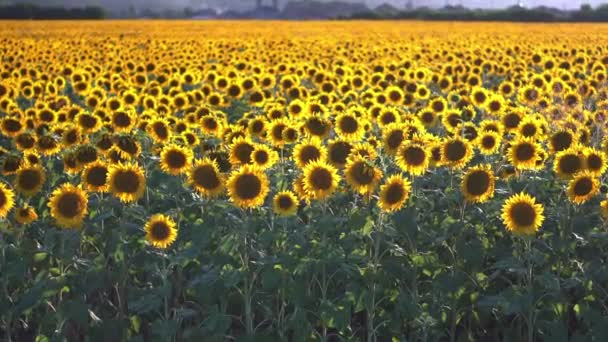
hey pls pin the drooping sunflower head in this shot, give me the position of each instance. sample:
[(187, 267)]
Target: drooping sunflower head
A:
[(583, 187), (126, 181), (69, 206), (25, 215), (30, 179), (320, 180), (522, 215), (95, 177), (285, 203), (309, 150), (394, 193), (362, 175), (175, 159), (478, 184), (7, 200), (248, 187), (161, 231)]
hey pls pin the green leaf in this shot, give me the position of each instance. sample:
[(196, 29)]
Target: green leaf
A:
[(368, 227)]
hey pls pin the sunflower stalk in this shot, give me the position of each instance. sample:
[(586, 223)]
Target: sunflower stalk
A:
[(371, 310)]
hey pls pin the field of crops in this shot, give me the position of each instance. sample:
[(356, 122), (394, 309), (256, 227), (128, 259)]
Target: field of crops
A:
[(320, 181)]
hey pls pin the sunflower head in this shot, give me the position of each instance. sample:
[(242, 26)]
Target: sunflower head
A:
[(126, 181), (456, 152), (25, 215), (394, 193), (69, 206), (7, 200), (206, 178), (362, 175), (524, 154), (478, 184), (161, 231), (522, 215), (320, 180), (248, 187), (308, 151), (413, 157), (175, 159), (285, 203), (264, 157), (583, 187), (30, 179), (95, 177), (568, 163)]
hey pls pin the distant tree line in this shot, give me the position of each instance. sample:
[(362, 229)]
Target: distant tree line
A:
[(27, 11), (516, 14)]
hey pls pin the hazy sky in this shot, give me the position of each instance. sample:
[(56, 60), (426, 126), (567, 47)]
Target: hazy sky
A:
[(243, 4)]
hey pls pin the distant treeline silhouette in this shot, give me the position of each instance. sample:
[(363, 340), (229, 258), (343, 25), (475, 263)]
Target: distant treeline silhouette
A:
[(27, 11), (517, 14)]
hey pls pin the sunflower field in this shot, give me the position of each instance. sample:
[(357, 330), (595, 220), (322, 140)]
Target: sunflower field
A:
[(317, 181)]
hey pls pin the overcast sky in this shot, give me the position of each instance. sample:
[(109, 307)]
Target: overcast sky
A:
[(244, 4)]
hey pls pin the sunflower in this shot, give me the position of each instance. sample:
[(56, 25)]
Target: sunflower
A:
[(264, 157), (456, 152), (595, 161), (95, 177), (392, 138), (126, 181), (175, 159), (604, 209), (478, 184), (161, 231), (524, 153), (317, 126), (30, 179), (309, 150), (583, 187), (349, 127), (413, 158), (285, 203), (248, 187), (206, 178), (522, 215), (320, 180), (240, 151), (338, 152), (25, 215), (159, 130), (362, 175), (569, 162), (7, 200), (488, 142), (394, 193), (69, 205), (561, 140), (123, 121)]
